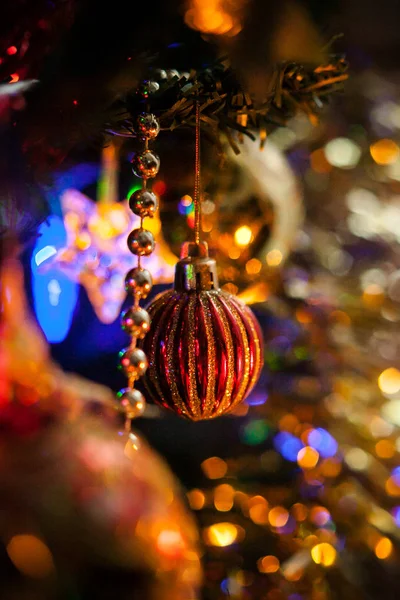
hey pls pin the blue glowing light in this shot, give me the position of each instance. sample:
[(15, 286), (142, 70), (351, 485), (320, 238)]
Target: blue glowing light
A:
[(77, 177), (396, 515), (185, 209), (44, 254), (289, 527), (288, 445), (257, 398), (396, 475), (54, 294), (323, 442), (225, 586)]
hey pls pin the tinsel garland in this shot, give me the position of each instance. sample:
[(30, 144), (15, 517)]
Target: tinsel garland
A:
[(225, 106)]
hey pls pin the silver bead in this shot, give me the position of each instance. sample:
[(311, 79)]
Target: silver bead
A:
[(147, 88), (143, 203), (136, 322), (139, 282), (145, 164), (141, 242), (172, 73), (133, 362), (160, 74), (147, 126), (131, 402)]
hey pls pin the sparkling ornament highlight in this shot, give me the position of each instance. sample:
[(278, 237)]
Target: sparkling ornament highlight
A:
[(139, 281), (133, 362), (148, 126), (135, 321), (141, 242), (204, 347), (132, 402), (143, 203), (145, 164)]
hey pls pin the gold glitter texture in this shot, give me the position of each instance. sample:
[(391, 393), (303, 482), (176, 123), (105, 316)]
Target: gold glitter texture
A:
[(210, 395), (226, 401), (191, 320), (170, 351)]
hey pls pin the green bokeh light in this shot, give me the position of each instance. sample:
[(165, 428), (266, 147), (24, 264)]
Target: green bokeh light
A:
[(255, 432)]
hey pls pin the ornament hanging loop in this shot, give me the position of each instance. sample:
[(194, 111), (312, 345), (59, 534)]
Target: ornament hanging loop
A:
[(195, 271), (196, 199)]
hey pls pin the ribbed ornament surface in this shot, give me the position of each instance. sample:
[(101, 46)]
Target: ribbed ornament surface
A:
[(204, 351)]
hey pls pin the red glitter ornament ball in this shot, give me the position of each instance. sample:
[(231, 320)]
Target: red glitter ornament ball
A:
[(204, 347)]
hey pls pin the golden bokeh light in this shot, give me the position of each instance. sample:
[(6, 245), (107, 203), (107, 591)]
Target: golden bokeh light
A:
[(234, 252), (274, 258), (253, 266), (31, 556), (324, 554), (299, 511), (385, 449), (278, 516), (258, 510), (221, 534), (214, 467), (268, 564), (243, 236), (196, 499), (392, 488), (384, 152), (383, 548), (389, 381), (212, 17), (307, 457), (223, 497)]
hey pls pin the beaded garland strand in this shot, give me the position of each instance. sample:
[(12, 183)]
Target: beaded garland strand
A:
[(195, 315), (138, 282)]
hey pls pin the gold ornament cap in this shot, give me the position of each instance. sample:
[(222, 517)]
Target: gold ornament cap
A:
[(195, 271)]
